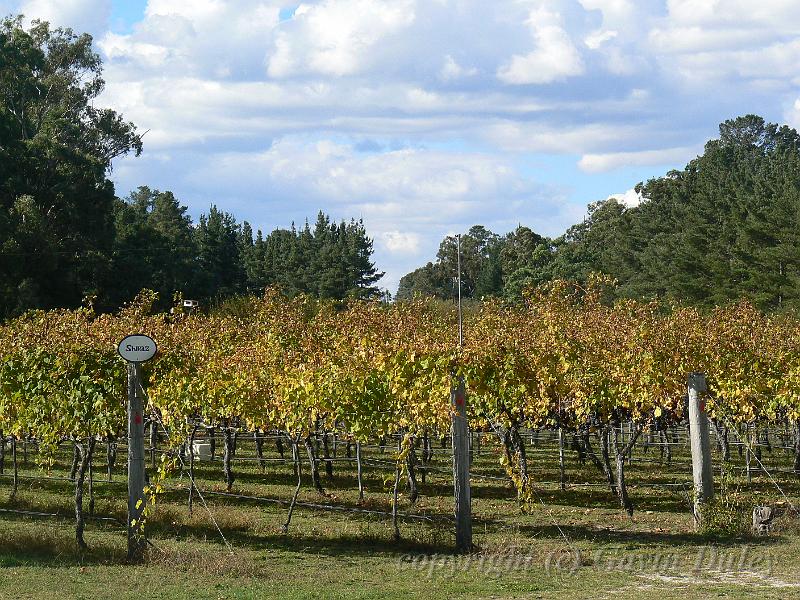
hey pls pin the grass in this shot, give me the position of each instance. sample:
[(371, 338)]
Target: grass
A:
[(574, 543)]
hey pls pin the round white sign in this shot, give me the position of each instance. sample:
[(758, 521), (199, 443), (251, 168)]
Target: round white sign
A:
[(137, 348)]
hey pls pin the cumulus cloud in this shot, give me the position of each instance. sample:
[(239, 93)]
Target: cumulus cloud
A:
[(400, 242), (554, 58), (336, 37), (597, 38), (629, 199)]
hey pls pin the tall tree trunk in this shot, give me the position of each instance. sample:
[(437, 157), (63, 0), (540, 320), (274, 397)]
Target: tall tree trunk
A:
[(2, 452), (622, 489), (587, 446)]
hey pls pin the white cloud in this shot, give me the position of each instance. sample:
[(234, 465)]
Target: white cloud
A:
[(452, 70), (628, 199), (780, 15), (597, 38), (81, 15), (614, 11), (792, 115), (600, 163), (336, 37), (566, 138), (554, 59), (401, 242)]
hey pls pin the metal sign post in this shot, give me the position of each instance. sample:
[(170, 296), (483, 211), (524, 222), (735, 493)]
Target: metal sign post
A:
[(136, 349)]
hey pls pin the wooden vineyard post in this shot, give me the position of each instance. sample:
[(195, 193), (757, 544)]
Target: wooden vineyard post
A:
[(461, 486), (136, 498), (136, 349), (700, 444)]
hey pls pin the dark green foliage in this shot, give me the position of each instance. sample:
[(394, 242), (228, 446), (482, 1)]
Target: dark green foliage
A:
[(331, 261), (64, 235), (154, 247), (725, 227), (490, 265), (56, 204)]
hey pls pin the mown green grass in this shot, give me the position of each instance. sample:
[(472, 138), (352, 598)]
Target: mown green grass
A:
[(329, 554)]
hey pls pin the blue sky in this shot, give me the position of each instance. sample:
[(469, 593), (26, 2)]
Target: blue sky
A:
[(424, 117), (125, 13)]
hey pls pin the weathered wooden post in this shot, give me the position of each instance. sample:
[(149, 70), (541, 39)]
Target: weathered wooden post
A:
[(461, 486), (136, 349), (461, 441), (700, 444)]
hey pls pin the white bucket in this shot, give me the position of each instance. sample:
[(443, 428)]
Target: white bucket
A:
[(201, 451)]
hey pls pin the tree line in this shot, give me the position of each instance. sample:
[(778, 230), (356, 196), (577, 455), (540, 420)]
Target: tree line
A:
[(722, 228), (65, 236), (727, 226), (157, 246)]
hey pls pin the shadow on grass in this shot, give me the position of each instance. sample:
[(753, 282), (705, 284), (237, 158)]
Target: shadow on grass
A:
[(629, 538), (55, 547)]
